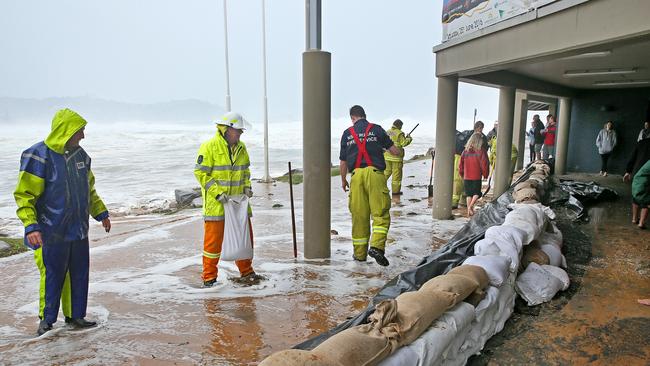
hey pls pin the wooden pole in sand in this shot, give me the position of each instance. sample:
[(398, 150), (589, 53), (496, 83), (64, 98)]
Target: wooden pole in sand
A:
[(293, 215)]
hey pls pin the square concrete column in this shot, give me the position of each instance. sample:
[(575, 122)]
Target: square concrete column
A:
[(562, 139), (316, 132), (443, 175), (520, 127), (503, 166)]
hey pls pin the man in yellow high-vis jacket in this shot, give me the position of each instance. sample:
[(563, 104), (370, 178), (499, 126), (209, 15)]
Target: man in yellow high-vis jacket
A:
[(222, 170), (395, 163)]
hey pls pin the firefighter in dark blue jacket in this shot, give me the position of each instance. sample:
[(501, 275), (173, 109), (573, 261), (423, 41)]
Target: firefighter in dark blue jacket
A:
[(55, 195)]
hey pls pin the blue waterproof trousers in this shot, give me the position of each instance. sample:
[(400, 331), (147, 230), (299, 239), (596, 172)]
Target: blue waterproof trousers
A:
[(60, 258)]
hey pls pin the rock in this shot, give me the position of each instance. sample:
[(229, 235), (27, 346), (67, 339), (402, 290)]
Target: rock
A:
[(277, 205), (197, 202), (4, 246), (184, 197), (334, 232)]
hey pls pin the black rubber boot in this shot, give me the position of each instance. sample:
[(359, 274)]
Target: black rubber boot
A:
[(209, 283), (249, 280), (44, 327), (80, 322), (378, 254)]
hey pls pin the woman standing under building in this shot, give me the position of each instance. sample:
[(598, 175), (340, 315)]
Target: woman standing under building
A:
[(473, 166), (606, 141)]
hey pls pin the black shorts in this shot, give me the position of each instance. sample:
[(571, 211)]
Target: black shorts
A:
[(473, 188)]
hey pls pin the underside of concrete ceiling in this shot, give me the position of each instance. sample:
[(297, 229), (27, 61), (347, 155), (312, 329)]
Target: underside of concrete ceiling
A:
[(623, 64)]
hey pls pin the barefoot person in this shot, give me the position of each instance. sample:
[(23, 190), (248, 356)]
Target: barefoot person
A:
[(222, 170), (55, 195), (641, 192), (473, 166)]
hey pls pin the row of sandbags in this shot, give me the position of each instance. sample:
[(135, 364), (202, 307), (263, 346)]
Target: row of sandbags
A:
[(394, 323), (532, 189), (434, 325), (527, 243)]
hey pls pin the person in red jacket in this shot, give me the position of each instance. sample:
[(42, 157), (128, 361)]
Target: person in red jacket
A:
[(548, 150), (474, 165)]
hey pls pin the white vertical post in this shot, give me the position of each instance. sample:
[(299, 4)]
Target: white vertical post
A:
[(266, 178), (225, 33)]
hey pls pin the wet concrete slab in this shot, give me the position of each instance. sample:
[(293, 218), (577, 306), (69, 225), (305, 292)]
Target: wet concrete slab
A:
[(597, 320), (145, 286)]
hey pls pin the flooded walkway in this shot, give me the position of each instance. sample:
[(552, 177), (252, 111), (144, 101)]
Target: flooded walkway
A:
[(145, 286), (597, 321)]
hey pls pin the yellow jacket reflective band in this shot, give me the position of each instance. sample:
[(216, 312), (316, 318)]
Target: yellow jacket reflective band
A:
[(221, 169)]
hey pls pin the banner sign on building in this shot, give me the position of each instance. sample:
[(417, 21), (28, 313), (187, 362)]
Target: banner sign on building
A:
[(462, 17)]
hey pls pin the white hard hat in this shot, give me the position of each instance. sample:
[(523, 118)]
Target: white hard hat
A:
[(232, 119)]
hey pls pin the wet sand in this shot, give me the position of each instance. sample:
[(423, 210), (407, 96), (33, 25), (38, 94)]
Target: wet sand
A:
[(145, 286), (597, 321)]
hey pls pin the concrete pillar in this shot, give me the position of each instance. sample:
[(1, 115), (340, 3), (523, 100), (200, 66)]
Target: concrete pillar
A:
[(504, 140), (520, 126), (562, 141), (316, 139), (443, 174)]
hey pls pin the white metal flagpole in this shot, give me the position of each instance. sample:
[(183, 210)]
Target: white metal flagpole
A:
[(267, 177), (225, 32)]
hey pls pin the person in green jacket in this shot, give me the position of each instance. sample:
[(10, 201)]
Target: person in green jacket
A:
[(641, 192), (394, 163), (493, 157)]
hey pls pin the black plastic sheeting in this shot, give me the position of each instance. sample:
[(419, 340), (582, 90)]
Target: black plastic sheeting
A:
[(461, 245), (452, 254), (573, 195)]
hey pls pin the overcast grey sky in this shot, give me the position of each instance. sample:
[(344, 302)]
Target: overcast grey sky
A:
[(150, 51)]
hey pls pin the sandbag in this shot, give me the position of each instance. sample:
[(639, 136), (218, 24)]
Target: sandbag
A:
[(507, 233), (525, 184), (475, 297), (533, 255), (527, 219), (525, 194), (477, 273), (487, 247), (416, 311), (462, 286), (560, 274), (555, 257), (552, 235), (384, 314), (294, 357), (536, 285), (497, 267), (353, 347), (237, 242)]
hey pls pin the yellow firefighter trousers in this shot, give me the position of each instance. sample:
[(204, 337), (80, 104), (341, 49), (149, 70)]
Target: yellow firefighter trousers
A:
[(369, 196), (394, 168), (459, 186)]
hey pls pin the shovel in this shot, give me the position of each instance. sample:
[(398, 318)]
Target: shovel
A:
[(430, 187)]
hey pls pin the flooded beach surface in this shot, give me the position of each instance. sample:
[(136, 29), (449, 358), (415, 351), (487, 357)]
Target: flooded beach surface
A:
[(146, 291)]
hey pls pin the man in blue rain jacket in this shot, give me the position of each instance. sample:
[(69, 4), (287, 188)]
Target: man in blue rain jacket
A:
[(55, 195)]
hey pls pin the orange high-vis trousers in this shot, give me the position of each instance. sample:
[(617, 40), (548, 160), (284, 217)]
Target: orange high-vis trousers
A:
[(212, 240)]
